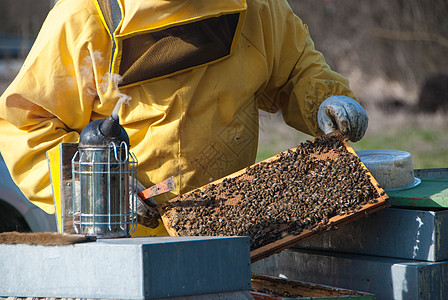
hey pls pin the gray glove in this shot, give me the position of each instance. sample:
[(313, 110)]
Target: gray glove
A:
[(146, 215), (345, 114)]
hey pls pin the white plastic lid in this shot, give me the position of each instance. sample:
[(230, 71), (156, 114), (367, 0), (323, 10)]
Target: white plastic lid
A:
[(391, 168)]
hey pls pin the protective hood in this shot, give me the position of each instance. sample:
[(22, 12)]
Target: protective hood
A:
[(191, 34)]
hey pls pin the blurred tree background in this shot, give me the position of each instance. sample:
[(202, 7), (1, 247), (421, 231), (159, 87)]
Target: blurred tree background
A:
[(401, 40), (20, 22), (396, 40), (388, 49), (23, 17)]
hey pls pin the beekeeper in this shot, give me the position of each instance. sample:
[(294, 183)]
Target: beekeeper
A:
[(196, 71)]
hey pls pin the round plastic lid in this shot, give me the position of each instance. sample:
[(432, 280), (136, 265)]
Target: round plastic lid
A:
[(391, 168)]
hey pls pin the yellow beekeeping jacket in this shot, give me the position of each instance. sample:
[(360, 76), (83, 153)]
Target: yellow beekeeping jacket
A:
[(197, 71)]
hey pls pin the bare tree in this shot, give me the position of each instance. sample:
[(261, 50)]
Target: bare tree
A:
[(402, 40)]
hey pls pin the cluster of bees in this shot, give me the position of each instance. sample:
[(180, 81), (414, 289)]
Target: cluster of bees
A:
[(299, 189), (279, 294)]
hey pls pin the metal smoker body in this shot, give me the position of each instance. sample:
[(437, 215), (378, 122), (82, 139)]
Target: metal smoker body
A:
[(103, 173)]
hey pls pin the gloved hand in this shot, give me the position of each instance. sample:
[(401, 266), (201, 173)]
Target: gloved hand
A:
[(345, 114), (147, 215)]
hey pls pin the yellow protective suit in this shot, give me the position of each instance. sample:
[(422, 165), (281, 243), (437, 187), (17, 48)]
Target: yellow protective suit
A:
[(197, 121)]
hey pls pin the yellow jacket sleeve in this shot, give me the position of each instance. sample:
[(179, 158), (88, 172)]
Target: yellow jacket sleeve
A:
[(37, 111), (300, 79)]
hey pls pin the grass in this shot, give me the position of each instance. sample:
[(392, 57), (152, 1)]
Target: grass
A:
[(426, 145)]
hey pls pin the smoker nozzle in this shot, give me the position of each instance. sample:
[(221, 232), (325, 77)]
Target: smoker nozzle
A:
[(110, 127), (103, 132)]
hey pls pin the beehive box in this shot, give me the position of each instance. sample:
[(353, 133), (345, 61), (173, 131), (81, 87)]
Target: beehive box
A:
[(281, 201), (265, 287), (128, 268), (418, 235)]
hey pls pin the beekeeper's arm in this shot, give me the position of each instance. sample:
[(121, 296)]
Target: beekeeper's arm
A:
[(302, 80), (51, 99)]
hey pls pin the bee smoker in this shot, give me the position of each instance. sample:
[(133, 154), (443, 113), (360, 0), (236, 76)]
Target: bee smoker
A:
[(103, 174)]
